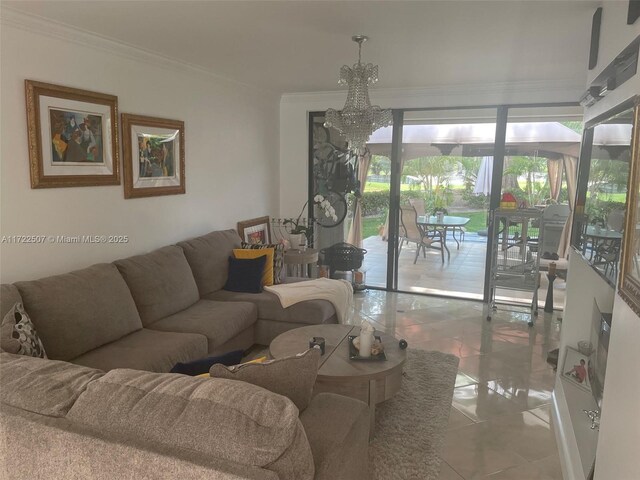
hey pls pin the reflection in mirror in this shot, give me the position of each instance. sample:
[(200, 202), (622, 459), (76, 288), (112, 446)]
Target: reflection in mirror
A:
[(630, 275), (602, 193)]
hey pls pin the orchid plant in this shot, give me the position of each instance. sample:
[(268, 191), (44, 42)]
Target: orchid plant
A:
[(299, 224)]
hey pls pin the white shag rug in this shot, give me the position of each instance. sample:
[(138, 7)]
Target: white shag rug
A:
[(411, 426)]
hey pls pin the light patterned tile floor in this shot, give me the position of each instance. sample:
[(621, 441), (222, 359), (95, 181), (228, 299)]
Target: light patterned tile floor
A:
[(499, 426)]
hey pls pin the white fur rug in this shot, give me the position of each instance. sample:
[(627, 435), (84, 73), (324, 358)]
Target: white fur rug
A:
[(411, 426)]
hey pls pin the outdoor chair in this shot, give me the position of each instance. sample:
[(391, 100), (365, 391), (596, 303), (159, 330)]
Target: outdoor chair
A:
[(615, 220), (607, 255), (418, 205), (414, 233)]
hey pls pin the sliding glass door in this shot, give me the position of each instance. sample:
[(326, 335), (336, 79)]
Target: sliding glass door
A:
[(445, 185), (419, 198), (542, 146)]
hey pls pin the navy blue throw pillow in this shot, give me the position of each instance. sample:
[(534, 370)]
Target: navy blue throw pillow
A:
[(199, 367), (245, 274)]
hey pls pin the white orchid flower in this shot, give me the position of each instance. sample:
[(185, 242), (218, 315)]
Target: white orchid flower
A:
[(318, 198), (335, 218), (326, 214)]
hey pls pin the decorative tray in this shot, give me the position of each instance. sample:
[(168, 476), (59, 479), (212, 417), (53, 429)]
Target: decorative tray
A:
[(355, 355)]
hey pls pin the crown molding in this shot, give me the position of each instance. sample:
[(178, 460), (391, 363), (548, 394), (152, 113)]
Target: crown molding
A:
[(391, 96), (11, 17)]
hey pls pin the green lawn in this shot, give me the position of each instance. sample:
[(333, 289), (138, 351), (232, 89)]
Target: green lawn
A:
[(379, 187), (477, 222), (370, 225)]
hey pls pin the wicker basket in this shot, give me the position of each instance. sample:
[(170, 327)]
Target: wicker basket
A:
[(343, 256)]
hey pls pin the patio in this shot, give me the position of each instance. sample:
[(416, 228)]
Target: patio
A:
[(462, 275)]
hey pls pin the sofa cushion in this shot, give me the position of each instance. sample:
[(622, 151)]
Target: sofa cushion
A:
[(246, 274), (278, 258), (218, 321), (230, 420), (310, 312), (207, 255), (146, 350), (161, 282), (247, 253), (18, 334), (9, 296), (45, 387), (81, 310), (293, 377)]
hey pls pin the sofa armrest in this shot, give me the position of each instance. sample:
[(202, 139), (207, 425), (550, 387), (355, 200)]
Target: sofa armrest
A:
[(337, 428)]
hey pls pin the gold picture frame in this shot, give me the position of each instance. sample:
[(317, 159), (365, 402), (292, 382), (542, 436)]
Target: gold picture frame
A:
[(153, 156), (255, 231), (629, 282), (72, 135)]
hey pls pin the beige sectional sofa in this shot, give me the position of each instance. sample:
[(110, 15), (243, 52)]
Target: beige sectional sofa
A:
[(65, 421), (101, 407), (149, 312)]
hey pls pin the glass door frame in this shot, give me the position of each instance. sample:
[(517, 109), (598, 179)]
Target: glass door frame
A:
[(502, 116)]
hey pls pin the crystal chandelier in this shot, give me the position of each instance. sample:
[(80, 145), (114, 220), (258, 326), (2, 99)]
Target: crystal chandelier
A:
[(358, 118)]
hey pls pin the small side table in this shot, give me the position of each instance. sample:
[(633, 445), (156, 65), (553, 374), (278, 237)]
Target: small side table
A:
[(298, 261)]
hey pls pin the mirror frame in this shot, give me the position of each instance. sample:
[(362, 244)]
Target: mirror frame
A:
[(629, 284)]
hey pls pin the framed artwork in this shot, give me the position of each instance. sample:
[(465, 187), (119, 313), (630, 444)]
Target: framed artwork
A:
[(73, 136), (629, 282), (153, 156), (255, 231), (575, 369)]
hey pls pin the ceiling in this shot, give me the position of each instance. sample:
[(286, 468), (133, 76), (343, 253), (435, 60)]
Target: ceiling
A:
[(299, 46)]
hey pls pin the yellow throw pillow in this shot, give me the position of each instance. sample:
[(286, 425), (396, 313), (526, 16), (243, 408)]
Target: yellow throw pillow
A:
[(256, 360), (267, 274)]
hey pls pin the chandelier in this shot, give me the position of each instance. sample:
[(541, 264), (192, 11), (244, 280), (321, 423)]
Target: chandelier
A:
[(358, 119)]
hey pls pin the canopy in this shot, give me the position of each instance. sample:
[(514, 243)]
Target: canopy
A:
[(551, 139)]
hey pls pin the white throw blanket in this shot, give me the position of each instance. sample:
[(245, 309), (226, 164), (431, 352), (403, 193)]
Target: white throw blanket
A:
[(338, 292)]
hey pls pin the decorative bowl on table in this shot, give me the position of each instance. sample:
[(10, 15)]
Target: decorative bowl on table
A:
[(377, 349)]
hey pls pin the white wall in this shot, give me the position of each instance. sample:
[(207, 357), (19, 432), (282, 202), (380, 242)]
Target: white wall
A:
[(294, 109), (617, 456), (231, 150), (619, 437), (615, 35)]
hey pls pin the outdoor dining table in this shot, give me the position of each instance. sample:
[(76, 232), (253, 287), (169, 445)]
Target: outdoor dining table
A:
[(600, 237), (447, 223)]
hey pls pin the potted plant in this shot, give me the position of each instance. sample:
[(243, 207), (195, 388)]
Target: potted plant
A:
[(299, 230)]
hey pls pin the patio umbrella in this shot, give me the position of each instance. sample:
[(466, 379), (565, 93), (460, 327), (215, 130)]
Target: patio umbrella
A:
[(483, 180)]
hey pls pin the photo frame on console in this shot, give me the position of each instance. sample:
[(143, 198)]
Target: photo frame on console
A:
[(575, 369), (255, 231), (154, 161), (73, 136)]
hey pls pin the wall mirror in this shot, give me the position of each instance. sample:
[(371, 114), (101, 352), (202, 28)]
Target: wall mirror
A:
[(602, 191), (629, 286)]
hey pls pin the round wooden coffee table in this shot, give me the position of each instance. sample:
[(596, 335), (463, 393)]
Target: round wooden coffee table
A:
[(370, 381)]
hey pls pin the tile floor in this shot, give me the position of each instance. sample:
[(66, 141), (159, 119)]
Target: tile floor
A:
[(463, 273), (499, 426)]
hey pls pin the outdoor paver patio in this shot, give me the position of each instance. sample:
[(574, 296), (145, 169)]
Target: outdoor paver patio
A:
[(462, 275)]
